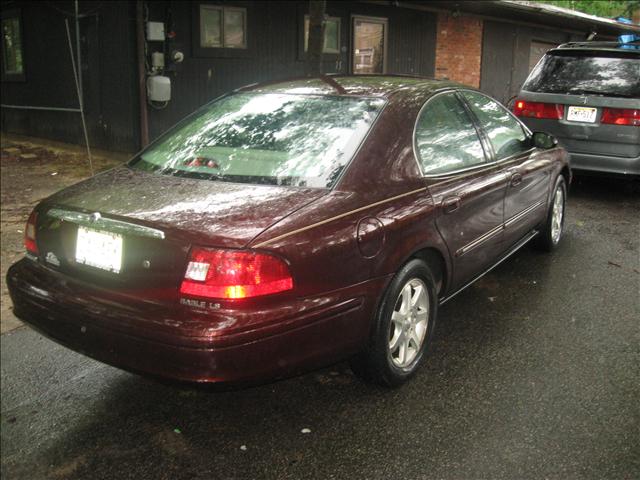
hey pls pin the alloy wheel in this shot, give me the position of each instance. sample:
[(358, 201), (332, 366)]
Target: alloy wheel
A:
[(409, 322), (557, 213)]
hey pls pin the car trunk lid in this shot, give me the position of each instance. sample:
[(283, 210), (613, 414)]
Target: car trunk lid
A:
[(149, 222)]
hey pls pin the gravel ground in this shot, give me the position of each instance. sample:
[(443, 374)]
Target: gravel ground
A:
[(32, 169), (534, 374)]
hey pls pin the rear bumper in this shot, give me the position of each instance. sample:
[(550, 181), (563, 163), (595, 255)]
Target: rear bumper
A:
[(329, 334), (605, 164), (612, 156)]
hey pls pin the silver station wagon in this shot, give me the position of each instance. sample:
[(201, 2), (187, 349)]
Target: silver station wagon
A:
[(588, 96)]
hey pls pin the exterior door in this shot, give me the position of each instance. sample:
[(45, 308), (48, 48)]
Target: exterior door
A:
[(369, 45), (468, 190), (525, 203), (527, 169)]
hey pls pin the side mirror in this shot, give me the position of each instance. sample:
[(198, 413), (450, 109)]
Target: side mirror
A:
[(544, 140)]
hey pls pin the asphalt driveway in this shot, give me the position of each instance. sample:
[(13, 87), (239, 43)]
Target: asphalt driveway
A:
[(534, 374)]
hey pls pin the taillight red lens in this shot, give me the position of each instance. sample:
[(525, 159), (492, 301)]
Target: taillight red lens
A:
[(538, 110), (621, 116), (30, 234), (234, 274)]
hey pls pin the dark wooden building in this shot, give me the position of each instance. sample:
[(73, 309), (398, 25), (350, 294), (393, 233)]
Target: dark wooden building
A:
[(211, 47)]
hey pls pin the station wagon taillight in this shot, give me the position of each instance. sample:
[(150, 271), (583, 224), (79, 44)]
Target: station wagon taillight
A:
[(538, 110), (234, 274), (30, 234), (621, 116)]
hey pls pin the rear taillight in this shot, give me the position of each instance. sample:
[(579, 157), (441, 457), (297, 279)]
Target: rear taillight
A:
[(620, 116), (30, 234), (538, 110), (234, 274)]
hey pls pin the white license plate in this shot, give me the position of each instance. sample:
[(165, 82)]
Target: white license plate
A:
[(99, 249), (582, 114)]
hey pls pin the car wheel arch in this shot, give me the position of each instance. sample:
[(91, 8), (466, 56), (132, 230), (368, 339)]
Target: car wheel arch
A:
[(566, 173), (436, 262)]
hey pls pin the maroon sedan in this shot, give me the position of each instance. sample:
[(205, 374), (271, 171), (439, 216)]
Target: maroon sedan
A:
[(289, 225)]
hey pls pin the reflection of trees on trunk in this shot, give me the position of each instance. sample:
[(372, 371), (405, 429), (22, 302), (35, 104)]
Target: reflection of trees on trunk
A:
[(561, 74)]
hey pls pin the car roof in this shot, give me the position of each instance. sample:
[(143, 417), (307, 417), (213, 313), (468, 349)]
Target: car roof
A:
[(632, 47), (352, 85)]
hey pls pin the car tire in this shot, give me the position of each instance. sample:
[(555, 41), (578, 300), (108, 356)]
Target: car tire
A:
[(404, 326), (553, 227)]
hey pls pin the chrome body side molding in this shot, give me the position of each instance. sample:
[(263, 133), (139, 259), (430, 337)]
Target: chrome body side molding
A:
[(510, 252), (496, 230), (480, 240), (522, 214)]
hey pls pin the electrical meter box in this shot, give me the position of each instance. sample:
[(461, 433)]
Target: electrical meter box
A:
[(155, 31), (159, 88)]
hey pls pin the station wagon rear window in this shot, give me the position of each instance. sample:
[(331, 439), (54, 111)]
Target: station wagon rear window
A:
[(266, 138), (586, 73)]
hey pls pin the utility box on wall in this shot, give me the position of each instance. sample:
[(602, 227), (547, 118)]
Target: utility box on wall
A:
[(155, 31), (158, 88)]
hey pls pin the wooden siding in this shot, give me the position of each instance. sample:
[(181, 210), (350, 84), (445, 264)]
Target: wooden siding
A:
[(505, 55), (274, 50), (109, 74), (110, 64)]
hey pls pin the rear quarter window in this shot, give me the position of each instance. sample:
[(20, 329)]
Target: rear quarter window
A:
[(445, 138)]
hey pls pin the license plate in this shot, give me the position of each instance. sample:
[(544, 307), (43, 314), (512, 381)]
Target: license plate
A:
[(99, 249), (582, 114)]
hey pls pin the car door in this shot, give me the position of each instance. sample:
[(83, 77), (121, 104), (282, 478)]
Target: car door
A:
[(467, 189), (527, 168)]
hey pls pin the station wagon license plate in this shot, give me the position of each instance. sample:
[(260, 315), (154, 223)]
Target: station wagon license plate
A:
[(582, 114), (99, 249)]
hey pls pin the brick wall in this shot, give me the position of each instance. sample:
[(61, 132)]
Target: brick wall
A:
[(459, 48)]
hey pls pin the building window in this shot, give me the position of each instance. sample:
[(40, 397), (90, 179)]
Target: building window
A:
[(331, 34), (223, 27), (369, 53), (12, 52)]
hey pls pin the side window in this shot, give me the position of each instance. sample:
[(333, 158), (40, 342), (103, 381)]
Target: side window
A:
[(12, 54), (446, 139), (505, 133)]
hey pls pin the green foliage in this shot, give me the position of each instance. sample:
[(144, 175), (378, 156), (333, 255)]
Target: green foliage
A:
[(601, 8)]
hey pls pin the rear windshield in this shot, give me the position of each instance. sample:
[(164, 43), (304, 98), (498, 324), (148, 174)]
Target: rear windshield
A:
[(586, 74), (265, 138)]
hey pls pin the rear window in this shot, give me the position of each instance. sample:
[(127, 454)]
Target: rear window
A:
[(586, 74), (278, 139)]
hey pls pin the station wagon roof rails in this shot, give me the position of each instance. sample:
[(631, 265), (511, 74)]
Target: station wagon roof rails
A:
[(600, 45)]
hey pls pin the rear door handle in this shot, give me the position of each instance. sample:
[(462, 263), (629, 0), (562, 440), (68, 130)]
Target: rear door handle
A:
[(450, 204), (516, 179)]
